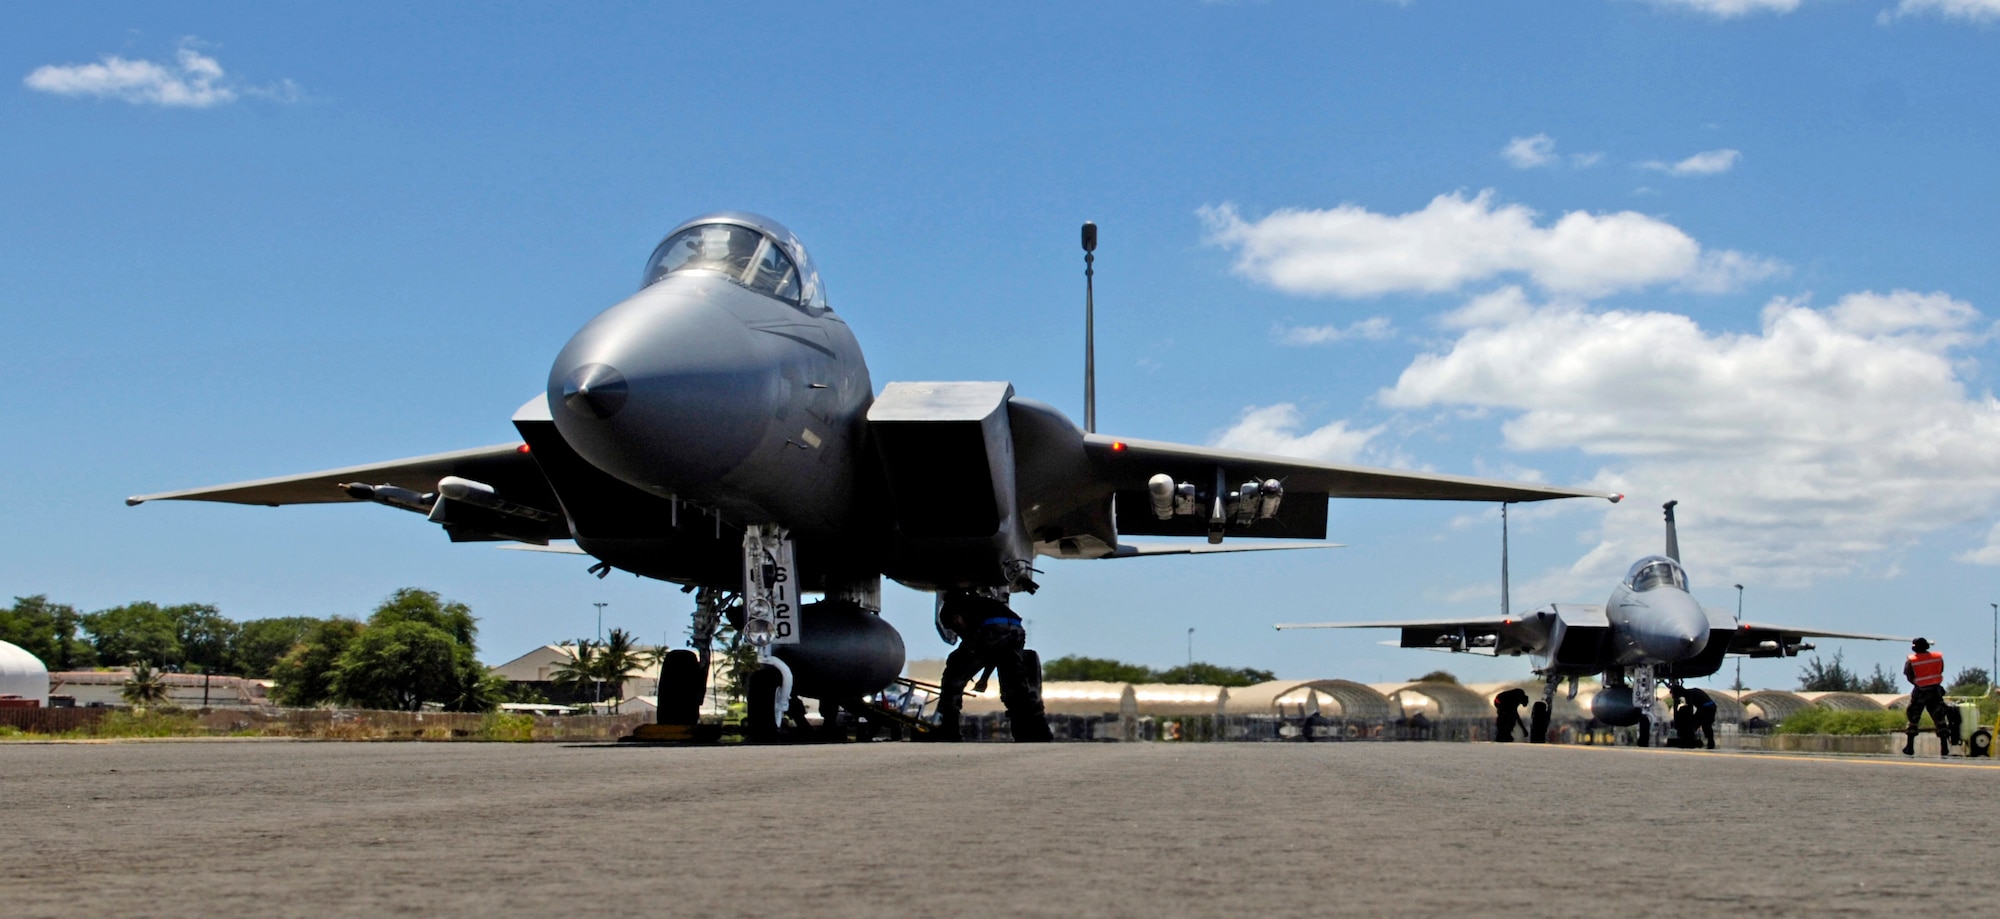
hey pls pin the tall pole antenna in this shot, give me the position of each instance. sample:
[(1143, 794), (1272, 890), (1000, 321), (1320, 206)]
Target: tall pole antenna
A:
[(600, 619), (1506, 595), (1739, 659), (1089, 329), (1993, 676)]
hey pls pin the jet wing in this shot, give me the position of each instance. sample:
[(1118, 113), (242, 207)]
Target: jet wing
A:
[(506, 467), (1307, 485), (1146, 458), (1753, 639), (1142, 549), (516, 502), (1489, 636)]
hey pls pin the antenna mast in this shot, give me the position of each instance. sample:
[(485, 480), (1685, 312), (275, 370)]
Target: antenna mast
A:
[(1089, 330)]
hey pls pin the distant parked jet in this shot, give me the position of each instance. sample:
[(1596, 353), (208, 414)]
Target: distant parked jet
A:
[(1651, 629)]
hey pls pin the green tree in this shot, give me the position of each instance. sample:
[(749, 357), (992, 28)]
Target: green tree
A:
[(304, 674), (399, 666), (48, 631), (1830, 676), (1097, 669), (1437, 676), (204, 636), (1879, 682), (579, 675), (414, 605), (1971, 681), (416, 648), (261, 642), (1212, 675), (135, 632), (618, 659), (144, 687)]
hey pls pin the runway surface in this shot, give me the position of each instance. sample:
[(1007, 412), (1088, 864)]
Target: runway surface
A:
[(1152, 830)]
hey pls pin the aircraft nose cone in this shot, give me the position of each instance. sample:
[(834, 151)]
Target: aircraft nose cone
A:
[(594, 391), (665, 391)]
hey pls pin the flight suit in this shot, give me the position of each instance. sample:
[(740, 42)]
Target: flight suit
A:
[(990, 635), (1700, 718), (1925, 671), (1507, 712)]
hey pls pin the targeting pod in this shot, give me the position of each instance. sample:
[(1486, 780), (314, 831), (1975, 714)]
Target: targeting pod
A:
[(1268, 496)]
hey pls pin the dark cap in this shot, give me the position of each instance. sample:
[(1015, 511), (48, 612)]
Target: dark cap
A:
[(1921, 644)]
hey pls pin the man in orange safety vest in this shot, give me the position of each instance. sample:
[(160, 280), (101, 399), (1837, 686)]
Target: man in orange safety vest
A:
[(1925, 671)]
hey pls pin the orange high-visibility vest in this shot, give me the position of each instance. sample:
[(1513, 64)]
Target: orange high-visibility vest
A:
[(1927, 668)]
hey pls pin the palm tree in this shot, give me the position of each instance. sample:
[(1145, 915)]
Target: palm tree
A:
[(580, 670), (619, 658), (144, 687)]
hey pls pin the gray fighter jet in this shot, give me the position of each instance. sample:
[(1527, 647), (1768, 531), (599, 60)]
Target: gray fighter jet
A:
[(1651, 629), (719, 430)]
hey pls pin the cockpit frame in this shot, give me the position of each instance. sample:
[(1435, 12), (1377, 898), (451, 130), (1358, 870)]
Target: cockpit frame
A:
[(760, 264)]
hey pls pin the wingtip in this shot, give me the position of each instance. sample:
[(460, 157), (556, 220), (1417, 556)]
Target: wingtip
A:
[(1617, 498), (134, 501)]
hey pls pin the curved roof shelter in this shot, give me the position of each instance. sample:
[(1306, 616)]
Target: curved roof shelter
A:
[(1439, 700), (1179, 699), (23, 674), (1563, 709), (1892, 700), (1842, 701), (1088, 698), (1773, 704), (1299, 698)]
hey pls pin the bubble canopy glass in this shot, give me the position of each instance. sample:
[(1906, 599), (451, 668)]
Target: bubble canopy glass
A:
[(766, 262), (1656, 571)]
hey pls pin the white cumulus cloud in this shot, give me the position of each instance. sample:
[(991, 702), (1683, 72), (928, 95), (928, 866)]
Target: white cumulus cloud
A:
[(1374, 328), (1730, 9), (192, 80), (1455, 240), (1529, 152), (1279, 429), (1804, 450), (1708, 163), (1967, 10)]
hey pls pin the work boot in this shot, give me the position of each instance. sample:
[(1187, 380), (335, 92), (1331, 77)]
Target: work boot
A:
[(1910, 746)]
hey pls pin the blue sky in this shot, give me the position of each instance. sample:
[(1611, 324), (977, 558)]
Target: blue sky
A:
[(1734, 252)]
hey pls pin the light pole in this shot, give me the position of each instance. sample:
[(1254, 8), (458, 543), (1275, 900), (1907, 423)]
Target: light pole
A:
[(1993, 676), (597, 685), (600, 619), (1739, 660), (1089, 329), (1190, 655)]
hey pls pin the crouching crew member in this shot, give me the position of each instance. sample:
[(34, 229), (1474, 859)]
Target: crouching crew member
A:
[(1925, 671), (1507, 714), (1698, 724), (990, 635)]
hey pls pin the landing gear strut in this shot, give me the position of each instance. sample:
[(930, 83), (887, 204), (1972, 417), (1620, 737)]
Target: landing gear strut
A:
[(1645, 699), (770, 618)]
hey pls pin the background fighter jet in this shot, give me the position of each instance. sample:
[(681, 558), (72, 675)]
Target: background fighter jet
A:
[(719, 430), (1651, 629)]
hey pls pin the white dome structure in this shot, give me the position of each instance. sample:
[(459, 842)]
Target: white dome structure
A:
[(23, 674)]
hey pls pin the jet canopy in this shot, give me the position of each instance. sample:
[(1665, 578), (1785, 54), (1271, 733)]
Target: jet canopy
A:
[(753, 251), (1656, 571)]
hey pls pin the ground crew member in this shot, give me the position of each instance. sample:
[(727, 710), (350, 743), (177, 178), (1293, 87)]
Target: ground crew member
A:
[(1925, 671), (1700, 719), (990, 635), (1507, 714)]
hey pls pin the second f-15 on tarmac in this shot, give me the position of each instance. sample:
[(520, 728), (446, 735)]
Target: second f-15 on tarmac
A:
[(1650, 629)]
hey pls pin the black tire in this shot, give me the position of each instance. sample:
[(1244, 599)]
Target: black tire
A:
[(760, 720), (1645, 732), (681, 687), (1538, 723), (1981, 743)]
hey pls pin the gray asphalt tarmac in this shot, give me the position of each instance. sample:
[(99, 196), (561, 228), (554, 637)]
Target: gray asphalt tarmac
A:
[(1153, 830)]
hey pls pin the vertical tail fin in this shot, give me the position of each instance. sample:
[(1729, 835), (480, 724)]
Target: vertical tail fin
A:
[(1673, 540)]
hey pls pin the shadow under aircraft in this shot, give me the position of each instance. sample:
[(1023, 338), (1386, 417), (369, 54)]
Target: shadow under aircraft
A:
[(1651, 629), (719, 430)]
